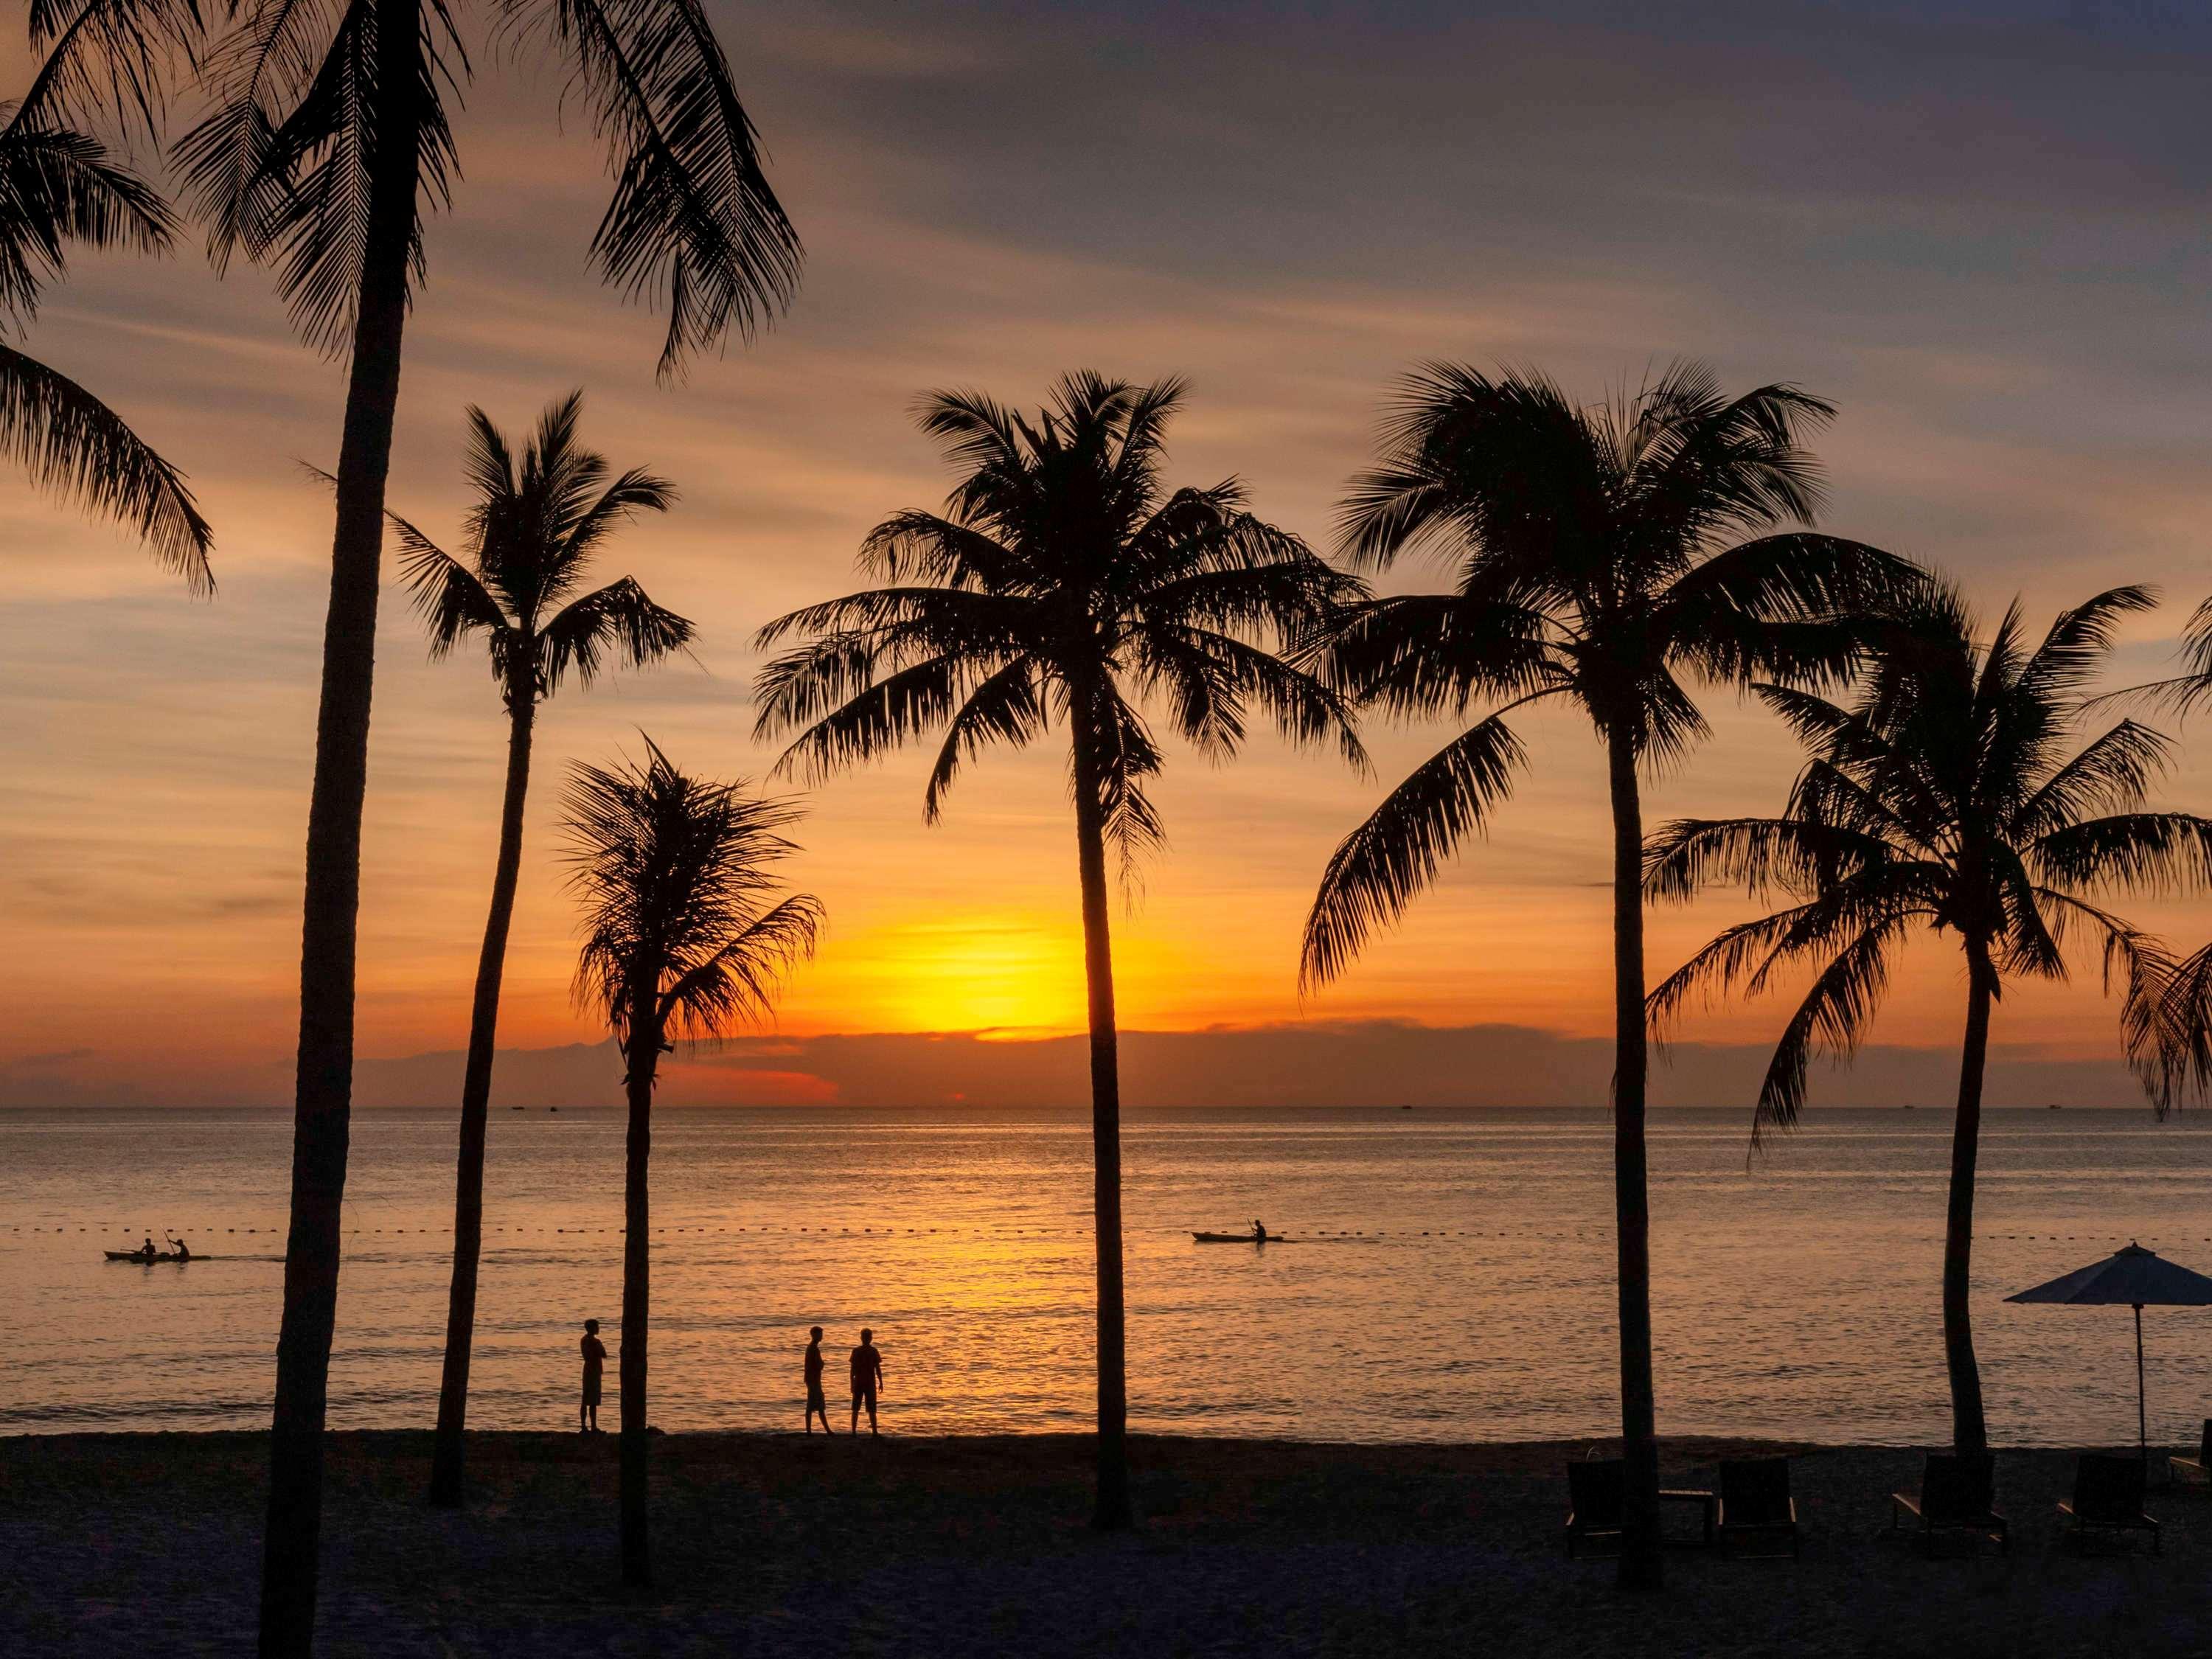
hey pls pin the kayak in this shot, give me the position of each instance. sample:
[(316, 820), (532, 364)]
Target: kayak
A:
[(1238, 1238), (141, 1256)]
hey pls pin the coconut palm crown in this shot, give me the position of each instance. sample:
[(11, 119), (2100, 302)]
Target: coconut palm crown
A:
[(1065, 583), (1950, 796), (539, 523), (1598, 564), (1062, 583)]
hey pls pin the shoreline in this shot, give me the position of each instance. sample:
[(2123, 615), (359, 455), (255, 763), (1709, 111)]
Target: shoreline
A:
[(770, 1544)]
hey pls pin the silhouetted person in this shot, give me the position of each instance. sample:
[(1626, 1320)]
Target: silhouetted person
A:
[(817, 1403), (867, 1377), (1259, 1232), (595, 1364), (147, 1249), (184, 1251)]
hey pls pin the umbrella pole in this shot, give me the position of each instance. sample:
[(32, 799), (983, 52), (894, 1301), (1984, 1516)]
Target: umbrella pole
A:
[(2142, 1418)]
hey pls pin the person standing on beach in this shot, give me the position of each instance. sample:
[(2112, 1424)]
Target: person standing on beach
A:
[(867, 1377), (595, 1364), (816, 1401)]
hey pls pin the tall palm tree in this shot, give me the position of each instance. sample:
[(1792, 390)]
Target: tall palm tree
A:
[(683, 937), (537, 527), (328, 140), (1946, 796), (58, 186), (1593, 568), (1064, 582)]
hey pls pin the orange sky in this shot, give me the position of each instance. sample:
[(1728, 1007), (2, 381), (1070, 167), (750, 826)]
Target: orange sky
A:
[(2011, 315)]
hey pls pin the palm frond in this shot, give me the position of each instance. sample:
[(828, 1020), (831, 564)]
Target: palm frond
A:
[(76, 447), (1682, 857), (2111, 775), (694, 223), (107, 56), (446, 594), (2079, 641), (1430, 655), (2132, 851), (58, 186), (1380, 867), (884, 713), (1832, 1019), (1210, 677), (2167, 1022), (620, 620), (1004, 709)]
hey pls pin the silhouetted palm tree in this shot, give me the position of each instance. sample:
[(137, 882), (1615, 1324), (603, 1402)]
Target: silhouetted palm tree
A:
[(327, 140), (682, 940), (58, 186), (1945, 797), (536, 529), (1064, 582), (1593, 568)]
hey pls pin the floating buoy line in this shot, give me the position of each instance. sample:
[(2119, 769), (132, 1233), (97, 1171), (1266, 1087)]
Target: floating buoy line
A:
[(1076, 1230)]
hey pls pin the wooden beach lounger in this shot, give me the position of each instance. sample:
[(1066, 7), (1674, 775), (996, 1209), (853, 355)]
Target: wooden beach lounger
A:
[(1957, 1495), (1597, 1496), (2108, 1497), (2199, 1467), (1756, 1505)]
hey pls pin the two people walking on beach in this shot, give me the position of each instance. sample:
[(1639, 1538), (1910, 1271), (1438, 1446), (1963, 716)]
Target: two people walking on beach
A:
[(867, 1366)]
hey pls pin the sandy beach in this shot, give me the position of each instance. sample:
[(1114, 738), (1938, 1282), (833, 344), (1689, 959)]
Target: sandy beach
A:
[(773, 1545)]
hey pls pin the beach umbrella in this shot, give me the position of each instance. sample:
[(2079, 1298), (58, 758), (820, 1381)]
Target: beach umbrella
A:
[(2134, 1278)]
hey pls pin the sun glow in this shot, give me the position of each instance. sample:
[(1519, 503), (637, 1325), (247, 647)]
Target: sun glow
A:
[(1008, 971)]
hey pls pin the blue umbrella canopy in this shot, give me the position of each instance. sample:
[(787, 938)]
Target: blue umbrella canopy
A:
[(2133, 1277)]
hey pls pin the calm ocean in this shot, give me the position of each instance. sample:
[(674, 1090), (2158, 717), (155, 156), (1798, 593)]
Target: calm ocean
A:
[(1473, 1301)]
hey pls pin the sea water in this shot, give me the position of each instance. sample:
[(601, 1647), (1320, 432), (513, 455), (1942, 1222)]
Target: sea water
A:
[(1449, 1274)]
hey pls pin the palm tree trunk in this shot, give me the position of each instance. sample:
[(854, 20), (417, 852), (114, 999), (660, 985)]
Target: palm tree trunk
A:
[(1632, 1200), (445, 1459), (637, 1285), (323, 1089), (1969, 1429), (1113, 1511)]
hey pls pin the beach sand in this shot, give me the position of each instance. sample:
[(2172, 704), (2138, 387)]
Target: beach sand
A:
[(770, 1545)]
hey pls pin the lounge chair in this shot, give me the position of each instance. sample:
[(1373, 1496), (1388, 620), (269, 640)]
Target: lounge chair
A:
[(2108, 1496), (2197, 1469), (1756, 1505), (1597, 1495), (1957, 1495)]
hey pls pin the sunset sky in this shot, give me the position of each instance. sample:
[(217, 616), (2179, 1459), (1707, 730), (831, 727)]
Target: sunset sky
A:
[(1978, 229)]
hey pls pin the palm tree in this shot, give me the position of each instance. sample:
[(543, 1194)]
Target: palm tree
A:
[(682, 940), (1593, 568), (1946, 796), (58, 186), (327, 141), (1064, 582), (532, 536)]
